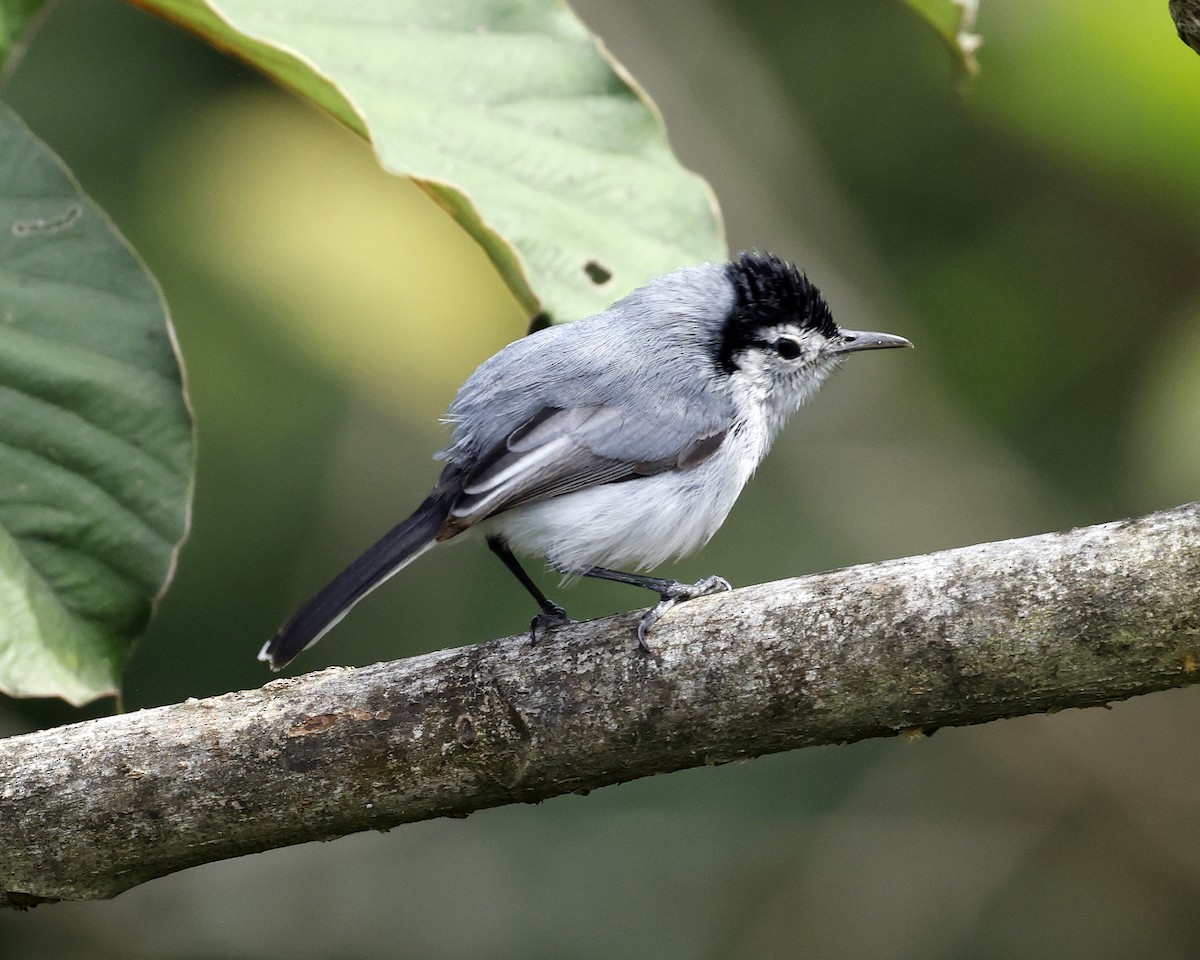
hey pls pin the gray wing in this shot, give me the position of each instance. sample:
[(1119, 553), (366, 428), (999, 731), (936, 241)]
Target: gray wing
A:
[(560, 451), (626, 393)]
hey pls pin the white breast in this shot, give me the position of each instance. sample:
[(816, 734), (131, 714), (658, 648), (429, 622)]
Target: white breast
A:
[(641, 523)]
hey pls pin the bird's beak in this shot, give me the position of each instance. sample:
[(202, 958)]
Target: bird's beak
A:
[(848, 341)]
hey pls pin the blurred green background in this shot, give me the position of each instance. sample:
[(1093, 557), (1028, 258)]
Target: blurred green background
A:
[(1037, 239)]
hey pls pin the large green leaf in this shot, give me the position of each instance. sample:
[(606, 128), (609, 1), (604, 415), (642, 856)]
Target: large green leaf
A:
[(95, 434), (954, 21), (14, 18), (509, 113)]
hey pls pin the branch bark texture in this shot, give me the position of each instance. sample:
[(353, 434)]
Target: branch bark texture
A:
[(1186, 14), (965, 636)]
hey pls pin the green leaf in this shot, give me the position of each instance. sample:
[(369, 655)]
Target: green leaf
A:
[(14, 18), (509, 114), (96, 447), (954, 21)]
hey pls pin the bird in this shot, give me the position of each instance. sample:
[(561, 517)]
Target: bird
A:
[(617, 441)]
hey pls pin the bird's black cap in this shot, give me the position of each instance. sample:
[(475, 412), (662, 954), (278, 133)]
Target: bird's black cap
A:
[(769, 291)]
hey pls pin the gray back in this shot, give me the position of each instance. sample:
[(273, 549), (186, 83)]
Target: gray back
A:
[(651, 356)]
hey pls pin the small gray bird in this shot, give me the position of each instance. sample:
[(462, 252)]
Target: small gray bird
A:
[(615, 441)]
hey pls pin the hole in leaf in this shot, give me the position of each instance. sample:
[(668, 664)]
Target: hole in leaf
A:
[(597, 272)]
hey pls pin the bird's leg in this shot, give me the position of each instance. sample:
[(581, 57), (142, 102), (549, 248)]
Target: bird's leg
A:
[(670, 592), (552, 614)]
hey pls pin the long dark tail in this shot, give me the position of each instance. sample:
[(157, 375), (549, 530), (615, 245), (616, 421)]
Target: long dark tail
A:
[(394, 551)]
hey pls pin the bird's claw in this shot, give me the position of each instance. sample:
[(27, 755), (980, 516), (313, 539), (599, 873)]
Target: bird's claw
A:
[(672, 595), (701, 588), (548, 620)]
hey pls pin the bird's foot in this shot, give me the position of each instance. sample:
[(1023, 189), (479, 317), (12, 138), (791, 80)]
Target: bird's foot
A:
[(672, 594), (549, 619)]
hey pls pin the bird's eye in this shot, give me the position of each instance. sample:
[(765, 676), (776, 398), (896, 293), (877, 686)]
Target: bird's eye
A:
[(787, 348)]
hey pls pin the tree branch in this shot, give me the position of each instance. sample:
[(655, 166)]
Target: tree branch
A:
[(964, 636), (1186, 14)]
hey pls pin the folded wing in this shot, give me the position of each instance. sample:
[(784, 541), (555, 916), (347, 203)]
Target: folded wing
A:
[(559, 451)]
